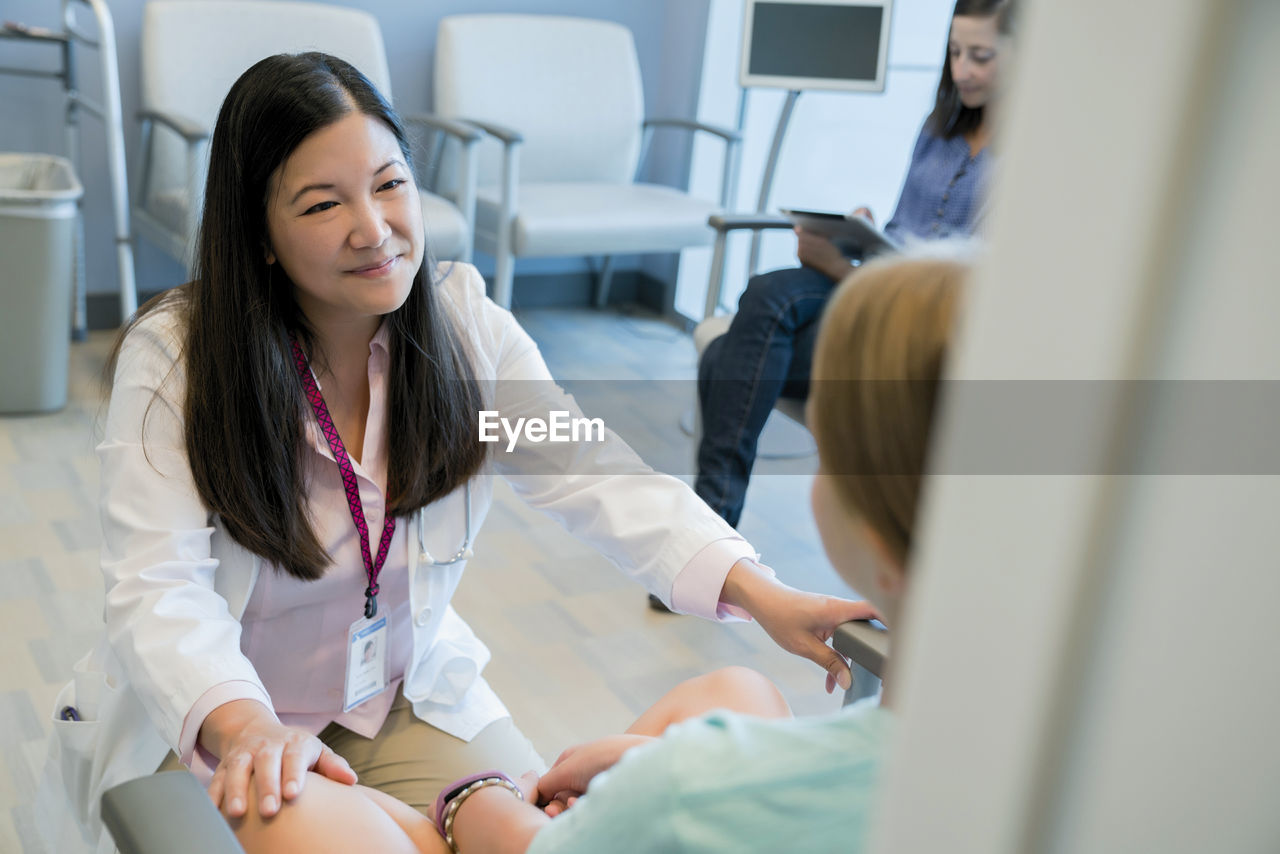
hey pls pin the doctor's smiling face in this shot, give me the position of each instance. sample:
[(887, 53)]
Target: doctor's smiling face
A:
[(344, 221)]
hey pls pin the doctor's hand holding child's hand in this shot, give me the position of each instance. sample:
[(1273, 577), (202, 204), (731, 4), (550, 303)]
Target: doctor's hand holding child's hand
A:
[(799, 622), (577, 766), (253, 745)]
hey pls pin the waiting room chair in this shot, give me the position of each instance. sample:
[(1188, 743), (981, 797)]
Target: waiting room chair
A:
[(564, 97), (168, 812), (724, 225), (194, 50)]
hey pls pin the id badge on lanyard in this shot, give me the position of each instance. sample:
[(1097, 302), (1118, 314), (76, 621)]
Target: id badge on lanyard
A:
[(366, 661), (368, 637)]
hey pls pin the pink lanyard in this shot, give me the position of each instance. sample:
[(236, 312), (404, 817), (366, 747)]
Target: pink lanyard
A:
[(371, 567)]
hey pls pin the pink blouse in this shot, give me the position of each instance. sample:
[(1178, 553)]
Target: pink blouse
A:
[(294, 632)]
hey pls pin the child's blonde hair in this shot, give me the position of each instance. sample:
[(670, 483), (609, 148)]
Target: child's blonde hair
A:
[(876, 370)]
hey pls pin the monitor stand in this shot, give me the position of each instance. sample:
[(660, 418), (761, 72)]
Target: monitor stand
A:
[(771, 166), (782, 436)]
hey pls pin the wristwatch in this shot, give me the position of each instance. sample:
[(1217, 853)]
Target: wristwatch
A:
[(452, 796)]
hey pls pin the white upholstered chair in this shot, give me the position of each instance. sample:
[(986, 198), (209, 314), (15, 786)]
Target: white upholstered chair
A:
[(194, 50), (563, 96)]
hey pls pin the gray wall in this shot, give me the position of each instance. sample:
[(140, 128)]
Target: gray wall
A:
[(668, 38)]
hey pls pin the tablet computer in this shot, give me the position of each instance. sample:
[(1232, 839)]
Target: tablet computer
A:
[(852, 235)]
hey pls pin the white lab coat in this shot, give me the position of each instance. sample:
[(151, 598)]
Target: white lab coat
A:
[(177, 584)]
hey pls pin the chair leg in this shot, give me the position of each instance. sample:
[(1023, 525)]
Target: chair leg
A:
[(715, 286), (603, 281), (502, 278)]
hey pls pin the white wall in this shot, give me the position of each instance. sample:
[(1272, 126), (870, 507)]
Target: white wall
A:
[(841, 150)]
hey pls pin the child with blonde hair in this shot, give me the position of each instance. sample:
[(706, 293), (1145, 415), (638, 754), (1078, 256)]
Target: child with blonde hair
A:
[(729, 781)]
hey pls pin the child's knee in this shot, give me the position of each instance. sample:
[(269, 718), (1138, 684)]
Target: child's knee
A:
[(325, 816), (750, 691)]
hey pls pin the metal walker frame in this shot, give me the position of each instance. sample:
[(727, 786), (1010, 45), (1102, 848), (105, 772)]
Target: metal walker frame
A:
[(68, 40)]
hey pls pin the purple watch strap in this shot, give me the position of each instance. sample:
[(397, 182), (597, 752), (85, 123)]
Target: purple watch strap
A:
[(448, 792)]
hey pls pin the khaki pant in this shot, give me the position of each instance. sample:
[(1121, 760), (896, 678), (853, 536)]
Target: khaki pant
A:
[(411, 760)]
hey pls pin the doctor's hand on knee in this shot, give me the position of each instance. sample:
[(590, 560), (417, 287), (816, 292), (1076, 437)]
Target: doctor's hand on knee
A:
[(252, 744)]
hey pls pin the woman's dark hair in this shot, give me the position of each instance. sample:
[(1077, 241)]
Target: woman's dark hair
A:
[(951, 118), (245, 411)]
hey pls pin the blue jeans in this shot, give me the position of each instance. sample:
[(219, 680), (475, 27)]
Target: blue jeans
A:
[(766, 354)]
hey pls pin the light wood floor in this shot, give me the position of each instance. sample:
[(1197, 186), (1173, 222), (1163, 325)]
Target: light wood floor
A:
[(576, 651)]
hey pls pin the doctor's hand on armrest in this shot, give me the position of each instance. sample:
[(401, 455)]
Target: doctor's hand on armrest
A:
[(799, 622), (251, 743)]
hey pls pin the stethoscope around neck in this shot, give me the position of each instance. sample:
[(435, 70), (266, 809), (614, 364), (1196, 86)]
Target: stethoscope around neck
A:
[(462, 554)]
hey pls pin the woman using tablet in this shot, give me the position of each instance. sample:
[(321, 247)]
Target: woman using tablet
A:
[(768, 350)]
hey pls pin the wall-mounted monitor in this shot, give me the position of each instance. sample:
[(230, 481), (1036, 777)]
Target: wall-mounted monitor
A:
[(816, 44)]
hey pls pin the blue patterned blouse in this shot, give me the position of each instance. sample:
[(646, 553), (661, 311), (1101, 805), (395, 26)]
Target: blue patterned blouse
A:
[(943, 193)]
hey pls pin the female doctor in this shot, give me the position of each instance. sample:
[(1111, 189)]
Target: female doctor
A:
[(290, 470)]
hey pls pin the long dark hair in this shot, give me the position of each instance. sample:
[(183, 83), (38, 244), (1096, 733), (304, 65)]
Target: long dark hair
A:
[(245, 410), (950, 117)]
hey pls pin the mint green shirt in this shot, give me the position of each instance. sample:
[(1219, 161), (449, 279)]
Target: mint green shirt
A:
[(726, 782)]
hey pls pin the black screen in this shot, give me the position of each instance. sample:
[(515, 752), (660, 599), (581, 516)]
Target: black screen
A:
[(816, 40)]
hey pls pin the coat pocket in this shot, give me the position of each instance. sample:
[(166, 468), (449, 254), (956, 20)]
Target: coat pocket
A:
[(66, 802), (113, 741)]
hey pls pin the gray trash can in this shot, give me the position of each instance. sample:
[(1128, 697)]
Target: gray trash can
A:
[(38, 195)]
